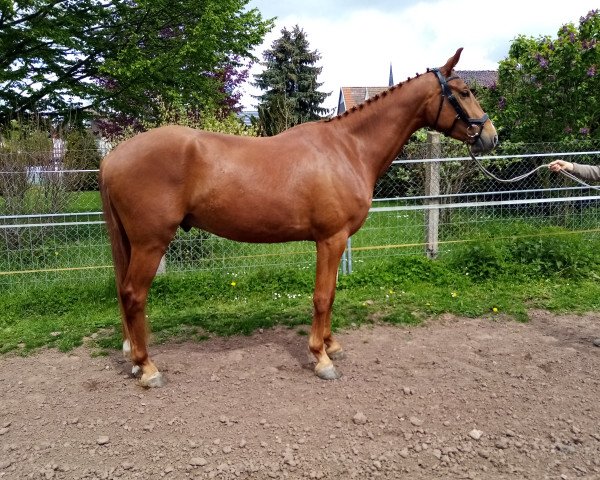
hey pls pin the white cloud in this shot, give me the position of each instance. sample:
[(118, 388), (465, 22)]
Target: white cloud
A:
[(357, 43)]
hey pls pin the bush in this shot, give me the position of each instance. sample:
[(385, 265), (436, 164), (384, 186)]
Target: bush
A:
[(398, 271), (481, 260), (82, 154), (570, 256), (23, 145), (545, 253)]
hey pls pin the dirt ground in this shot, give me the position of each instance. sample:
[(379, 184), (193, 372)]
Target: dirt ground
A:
[(454, 398)]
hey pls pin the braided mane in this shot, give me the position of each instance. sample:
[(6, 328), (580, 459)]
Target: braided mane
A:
[(372, 99)]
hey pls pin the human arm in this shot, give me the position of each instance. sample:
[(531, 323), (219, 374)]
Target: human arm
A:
[(587, 172)]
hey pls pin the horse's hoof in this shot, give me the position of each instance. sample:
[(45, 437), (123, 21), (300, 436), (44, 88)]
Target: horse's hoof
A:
[(136, 371), (156, 380), (328, 373), (338, 355)]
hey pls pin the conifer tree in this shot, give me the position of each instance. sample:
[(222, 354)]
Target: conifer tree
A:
[(290, 83)]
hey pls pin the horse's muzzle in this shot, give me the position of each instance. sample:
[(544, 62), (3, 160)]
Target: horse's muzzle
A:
[(486, 141)]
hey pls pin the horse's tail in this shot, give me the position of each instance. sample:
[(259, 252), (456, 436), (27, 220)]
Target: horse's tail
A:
[(121, 249)]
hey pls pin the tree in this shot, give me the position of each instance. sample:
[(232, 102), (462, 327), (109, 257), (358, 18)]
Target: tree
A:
[(120, 56), (290, 81), (549, 88), (120, 125)]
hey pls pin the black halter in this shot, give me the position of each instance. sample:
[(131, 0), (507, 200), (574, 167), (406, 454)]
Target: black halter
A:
[(474, 125)]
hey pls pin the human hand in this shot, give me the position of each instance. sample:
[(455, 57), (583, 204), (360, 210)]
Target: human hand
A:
[(558, 165)]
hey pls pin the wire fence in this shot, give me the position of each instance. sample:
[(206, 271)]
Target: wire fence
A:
[(432, 199)]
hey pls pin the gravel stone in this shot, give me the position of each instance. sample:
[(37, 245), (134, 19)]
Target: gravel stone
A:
[(502, 444), (417, 422), (359, 419)]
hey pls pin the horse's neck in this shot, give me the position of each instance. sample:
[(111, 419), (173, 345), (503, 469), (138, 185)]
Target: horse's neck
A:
[(380, 128)]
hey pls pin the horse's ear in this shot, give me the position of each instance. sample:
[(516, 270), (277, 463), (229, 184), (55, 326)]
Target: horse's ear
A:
[(451, 63)]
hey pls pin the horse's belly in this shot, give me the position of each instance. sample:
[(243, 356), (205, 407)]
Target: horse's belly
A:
[(252, 228)]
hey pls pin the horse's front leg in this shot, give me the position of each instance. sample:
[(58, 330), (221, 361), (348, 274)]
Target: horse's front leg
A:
[(320, 342)]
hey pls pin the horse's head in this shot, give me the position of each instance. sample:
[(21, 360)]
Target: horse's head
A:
[(458, 113)]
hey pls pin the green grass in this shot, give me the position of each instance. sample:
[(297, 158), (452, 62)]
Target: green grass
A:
[(84, 202), (404, 290)]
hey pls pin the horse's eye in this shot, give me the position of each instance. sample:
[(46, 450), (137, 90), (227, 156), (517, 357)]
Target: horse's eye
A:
[(465, 93)]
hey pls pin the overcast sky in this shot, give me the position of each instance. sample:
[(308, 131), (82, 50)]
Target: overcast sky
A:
[(358, 39)]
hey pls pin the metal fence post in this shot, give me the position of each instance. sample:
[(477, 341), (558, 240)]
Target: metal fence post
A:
[(347, 258), (349, 254), (432, 189)]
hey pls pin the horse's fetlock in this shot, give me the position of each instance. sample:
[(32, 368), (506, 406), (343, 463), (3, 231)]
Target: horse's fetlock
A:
[(138, 354), (138, 357), (316, 346)]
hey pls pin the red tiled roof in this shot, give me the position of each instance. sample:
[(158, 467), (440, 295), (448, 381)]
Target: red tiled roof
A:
[(483, 78), (352, 96)]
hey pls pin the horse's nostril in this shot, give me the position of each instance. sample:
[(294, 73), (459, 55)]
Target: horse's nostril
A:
[(495, 140)]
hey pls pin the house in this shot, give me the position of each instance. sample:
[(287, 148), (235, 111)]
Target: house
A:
[(352, 96), (481, 78)]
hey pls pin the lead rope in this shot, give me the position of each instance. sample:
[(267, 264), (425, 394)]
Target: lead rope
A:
[(525, 175)]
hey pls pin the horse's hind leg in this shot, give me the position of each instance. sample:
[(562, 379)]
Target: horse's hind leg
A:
[(329, 253), (142, 268), (136, 371)]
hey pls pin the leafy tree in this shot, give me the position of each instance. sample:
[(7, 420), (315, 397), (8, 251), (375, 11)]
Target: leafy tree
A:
[(121, 56), (290, 83), (549, 88), (230, 77)]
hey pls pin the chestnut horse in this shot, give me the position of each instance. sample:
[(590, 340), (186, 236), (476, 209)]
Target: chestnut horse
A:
[(313, 182)]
